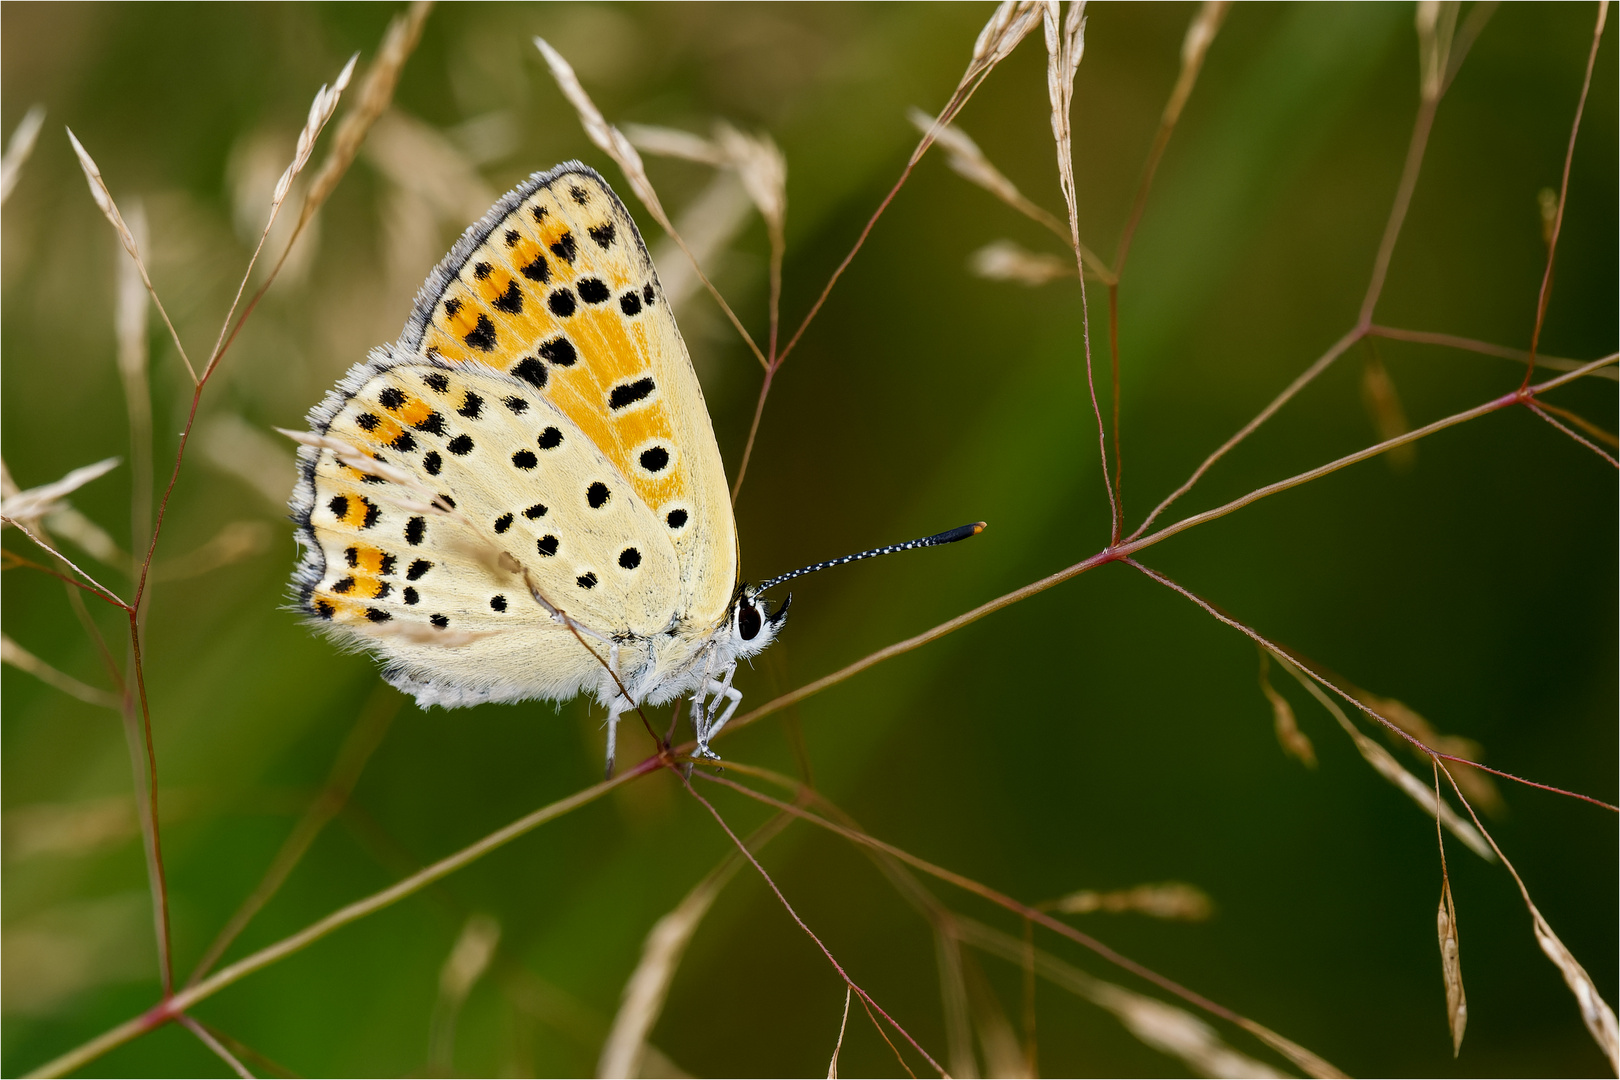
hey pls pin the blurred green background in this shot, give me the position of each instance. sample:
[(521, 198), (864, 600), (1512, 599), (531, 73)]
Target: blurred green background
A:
[(1103, 734)]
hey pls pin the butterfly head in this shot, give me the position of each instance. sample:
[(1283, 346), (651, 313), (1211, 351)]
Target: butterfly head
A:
[(753, 625)]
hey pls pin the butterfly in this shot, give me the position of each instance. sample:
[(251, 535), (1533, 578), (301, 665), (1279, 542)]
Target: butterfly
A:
[(522, 497)]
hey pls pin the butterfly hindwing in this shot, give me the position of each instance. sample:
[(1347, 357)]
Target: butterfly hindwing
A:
[(556, 289), (527, 483)]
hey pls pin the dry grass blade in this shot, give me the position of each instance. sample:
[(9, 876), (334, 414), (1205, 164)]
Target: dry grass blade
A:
[(18, 149), (954, 999), (1436, 22), (1384, 763), (1294, 741), (104, 200), (832, 1066), (133, 365), (23, 660), (1595, 1012), (35, 503), (1164, 900), (1166, 1028), (625, 1048), (1003, 260), (468, 960)]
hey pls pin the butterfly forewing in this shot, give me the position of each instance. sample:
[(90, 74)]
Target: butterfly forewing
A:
[(556, 289)]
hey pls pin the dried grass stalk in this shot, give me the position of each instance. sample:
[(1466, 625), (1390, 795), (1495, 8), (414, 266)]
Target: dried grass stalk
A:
[(1064, 48), (1436, 25), (1293, 741), (23, 660), (832, 1066), (18, 149), (1003, 260), (1451, 968), (642, 1002), (35, 503), (104, 200), (1165, 900)]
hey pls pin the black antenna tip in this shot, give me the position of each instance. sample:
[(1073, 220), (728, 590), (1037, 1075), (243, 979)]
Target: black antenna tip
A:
[(961, 532)]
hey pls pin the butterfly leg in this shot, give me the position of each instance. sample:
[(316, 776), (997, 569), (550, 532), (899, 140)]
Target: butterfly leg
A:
[(721, 690), (615, 710)]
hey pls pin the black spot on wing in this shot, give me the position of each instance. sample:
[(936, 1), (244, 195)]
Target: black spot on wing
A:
[(581, 196), (481, 271), (503, 523), (530, 371), (498, 602), (510, 301), (404, 443), (368, 421), (516, 405), (629, 558), (525, 459), (602, 234), (482, 336), (546, 545), (344, 587), (560, 351), (352, 556), (561, 303), (440, 621), (324, 609), (512, 237), (418, 568), (593, 290), (391, 397), (373, 512), (598, 495), (564, 248), (339, 506), (630, 303), (433, 424), (538, 510), (415, 529), (537, 270), (410, 595), (550, 439), (647, 294), (432, 462), (586, 581), (461, 445), (654, 459), (627, 394), (436, 381), (471, 405), (675, 519), (377, 614)]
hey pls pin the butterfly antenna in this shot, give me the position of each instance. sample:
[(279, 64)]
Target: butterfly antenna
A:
[(961, 532)]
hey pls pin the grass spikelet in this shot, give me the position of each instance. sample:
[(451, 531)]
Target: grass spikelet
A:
[(23, 660), (18, 149), (468, 960), (1450, 954), (1477, 787), (1011, 23), (1165, 900), (104, 201), (1294, 742), (1004, 260), (320, 111), (35, 503)]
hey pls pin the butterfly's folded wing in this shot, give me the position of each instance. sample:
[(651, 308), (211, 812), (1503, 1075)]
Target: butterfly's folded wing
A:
[(555, 287), (534, 507), (542, 385)]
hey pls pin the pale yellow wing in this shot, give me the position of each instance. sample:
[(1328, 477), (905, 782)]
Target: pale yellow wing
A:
[(555, 287), (447, 597)]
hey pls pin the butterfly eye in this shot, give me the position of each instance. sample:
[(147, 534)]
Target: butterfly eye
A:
[(748, 621)]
